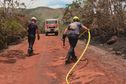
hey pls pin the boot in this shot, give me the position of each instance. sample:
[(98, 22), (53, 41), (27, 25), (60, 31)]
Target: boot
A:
[(67, 62), (30, 52), (74, 59)]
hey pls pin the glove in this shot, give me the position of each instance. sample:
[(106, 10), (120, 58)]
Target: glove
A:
[(63, 43), (88, 29), (38, 37), (64, 36)]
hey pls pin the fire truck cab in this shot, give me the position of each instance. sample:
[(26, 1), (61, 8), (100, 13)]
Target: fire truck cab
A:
[(51, 26)]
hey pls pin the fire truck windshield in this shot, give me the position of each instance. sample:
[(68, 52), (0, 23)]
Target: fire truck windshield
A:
[(51, 22)]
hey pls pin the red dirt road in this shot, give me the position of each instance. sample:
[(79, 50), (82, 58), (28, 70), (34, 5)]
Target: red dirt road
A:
[(47, 65)]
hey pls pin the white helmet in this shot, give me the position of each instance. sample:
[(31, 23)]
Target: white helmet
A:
[(33, 18)]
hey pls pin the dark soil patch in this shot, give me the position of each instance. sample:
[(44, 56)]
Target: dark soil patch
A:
[(118, 48)]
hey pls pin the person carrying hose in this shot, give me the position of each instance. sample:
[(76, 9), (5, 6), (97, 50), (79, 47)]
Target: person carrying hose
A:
[(72, 32), (32, 30)]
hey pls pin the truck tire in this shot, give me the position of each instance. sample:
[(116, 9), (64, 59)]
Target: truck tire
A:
[(46, 34), (56, 33)]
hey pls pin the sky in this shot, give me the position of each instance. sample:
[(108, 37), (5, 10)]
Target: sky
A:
[(47, 3)]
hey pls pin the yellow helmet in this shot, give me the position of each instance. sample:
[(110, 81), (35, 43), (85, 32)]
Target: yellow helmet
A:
[(76, 18)]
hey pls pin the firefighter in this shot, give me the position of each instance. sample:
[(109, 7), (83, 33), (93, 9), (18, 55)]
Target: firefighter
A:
[(72, 32), (32, 30)]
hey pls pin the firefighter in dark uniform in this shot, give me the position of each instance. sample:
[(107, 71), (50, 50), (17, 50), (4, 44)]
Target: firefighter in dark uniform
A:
[(32, 30)]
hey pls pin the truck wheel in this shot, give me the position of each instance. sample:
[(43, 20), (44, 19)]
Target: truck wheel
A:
[(56, 33), (46, 34)]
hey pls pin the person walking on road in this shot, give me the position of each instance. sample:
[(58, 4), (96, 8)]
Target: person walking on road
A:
[(72, 32), (32, 30)]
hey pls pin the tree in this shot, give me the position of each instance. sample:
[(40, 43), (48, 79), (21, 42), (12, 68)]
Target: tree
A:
[(108, 17)]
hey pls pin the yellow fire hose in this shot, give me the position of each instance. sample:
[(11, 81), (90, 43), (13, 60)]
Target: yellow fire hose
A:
[(68, 74)]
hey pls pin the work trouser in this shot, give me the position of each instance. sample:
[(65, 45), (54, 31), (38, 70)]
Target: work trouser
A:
[(73, 39), (31, 40)]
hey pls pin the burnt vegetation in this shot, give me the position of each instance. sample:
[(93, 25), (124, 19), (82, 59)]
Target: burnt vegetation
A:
[(12, 22), (105, 18)]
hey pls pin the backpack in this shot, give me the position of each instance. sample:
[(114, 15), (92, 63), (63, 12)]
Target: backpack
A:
[(73, 26)]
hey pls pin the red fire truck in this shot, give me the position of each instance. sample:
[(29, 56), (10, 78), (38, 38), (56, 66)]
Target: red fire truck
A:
[(51, 26)]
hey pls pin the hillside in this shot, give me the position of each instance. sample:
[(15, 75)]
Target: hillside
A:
[(44, 13)]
